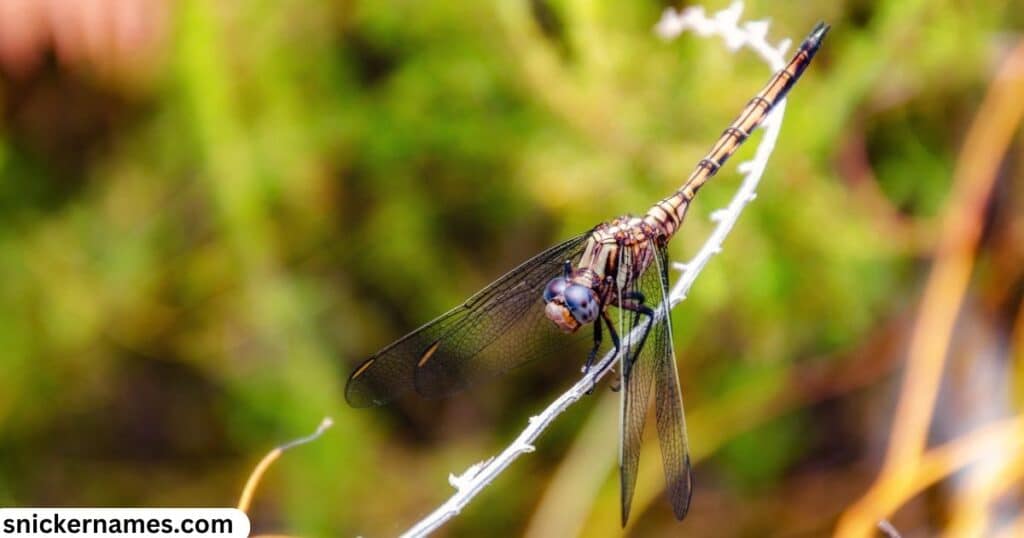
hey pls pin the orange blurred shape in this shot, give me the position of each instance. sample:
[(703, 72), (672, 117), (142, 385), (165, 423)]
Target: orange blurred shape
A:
[(117, 38)]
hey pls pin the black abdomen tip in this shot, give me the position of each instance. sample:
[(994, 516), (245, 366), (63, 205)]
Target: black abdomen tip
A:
[(818, 33)]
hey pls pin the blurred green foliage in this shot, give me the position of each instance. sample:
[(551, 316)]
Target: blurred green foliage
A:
[(191, 264)]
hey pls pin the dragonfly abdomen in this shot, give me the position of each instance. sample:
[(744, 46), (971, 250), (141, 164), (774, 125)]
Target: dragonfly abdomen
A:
[(668, 213)]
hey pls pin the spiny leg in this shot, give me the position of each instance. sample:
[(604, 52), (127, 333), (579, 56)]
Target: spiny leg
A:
[(597, 333), (615, 345), (615, 385), (593, 351)]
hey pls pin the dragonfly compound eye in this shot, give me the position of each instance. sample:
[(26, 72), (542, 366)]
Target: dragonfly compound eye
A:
[(582, 302), (555, 288)]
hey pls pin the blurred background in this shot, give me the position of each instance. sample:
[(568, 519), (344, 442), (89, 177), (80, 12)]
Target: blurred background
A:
[(211, 211)]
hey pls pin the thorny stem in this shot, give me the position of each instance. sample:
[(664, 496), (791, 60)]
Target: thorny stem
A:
[(724, 24)]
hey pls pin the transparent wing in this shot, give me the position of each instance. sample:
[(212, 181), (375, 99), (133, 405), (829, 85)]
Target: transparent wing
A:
[(668, 397), (499, 328), (637, 376), (649, 362)]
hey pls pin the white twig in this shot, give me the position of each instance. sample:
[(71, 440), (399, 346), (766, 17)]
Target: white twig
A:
[(726, 25)]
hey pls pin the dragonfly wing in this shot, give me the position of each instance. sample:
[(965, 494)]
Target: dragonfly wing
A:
[(649, 362), (668, 397), (499, 328), (637, 376)]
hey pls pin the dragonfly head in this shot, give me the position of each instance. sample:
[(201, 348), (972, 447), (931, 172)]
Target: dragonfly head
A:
[(570, 306)]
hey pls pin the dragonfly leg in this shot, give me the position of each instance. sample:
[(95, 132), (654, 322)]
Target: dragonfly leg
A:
[(615, 345), (616, 383), (611, 331), (593, 351), (608, 321)]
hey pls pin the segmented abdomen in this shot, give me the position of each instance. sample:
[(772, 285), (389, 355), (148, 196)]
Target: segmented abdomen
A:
[(668, 213)]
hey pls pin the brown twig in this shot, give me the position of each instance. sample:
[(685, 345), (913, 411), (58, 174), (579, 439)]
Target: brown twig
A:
[(938, 463), (942, 461), (245, 501), (971, 515)]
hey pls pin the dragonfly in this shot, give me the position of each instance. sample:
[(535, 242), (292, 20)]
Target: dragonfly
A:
[(613, 277)]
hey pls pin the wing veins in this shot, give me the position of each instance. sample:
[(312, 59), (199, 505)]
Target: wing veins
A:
[(468, 330)]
